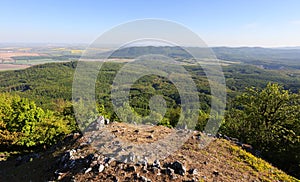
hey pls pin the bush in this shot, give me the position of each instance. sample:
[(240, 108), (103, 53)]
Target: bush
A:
[(24, 125)]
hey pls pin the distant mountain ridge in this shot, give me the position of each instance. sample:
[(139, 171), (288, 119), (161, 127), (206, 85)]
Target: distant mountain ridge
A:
[(270, 58)]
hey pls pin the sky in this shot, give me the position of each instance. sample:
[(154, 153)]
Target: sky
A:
[(265, 23)]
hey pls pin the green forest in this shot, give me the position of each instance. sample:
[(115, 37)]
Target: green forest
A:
[(262, 106)]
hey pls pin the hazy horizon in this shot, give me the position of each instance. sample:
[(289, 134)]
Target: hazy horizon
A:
[(61, 44)]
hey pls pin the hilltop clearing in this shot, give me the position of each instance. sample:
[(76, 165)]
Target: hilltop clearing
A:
[(76, 160)]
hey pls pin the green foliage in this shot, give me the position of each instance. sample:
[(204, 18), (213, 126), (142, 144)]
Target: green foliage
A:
[(23, 124), (202, 120), (268, 119)]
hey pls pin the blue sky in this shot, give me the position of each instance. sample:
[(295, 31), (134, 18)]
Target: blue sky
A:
[(268, 23)]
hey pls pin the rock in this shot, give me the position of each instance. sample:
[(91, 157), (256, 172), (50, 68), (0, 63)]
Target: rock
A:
[(117, 143), (216, 173), (101, 168), (144, 161), (169, 171), (96, 125), (239, 144), (96, 155), (108, 160), (118, 150), (234, 139), (144, 169), (219, 135), (124, 158), (68, 159), (156, 170), (114, 179), (156, 163), (72, 153), (193, 171), (149, 137), (106, 121), (73, 179), (209, 135), (144, 179), (226, 137), (131, 169), (178, 168), (247, 147), (60, 176), (83, 145), (136, 176), (131, 157), (100, 120), (89, 158), (88, 170), (129, 147)]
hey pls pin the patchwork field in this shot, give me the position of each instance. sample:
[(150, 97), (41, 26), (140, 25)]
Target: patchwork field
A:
[(4, 67), (9, 54)]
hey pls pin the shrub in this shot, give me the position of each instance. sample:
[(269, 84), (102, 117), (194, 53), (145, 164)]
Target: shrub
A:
[(24, 125)]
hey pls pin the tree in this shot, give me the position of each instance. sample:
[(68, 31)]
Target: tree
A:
[(268, 119)]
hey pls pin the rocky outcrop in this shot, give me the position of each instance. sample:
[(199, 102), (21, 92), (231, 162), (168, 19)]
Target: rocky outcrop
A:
[(94, 163), (79, 160)]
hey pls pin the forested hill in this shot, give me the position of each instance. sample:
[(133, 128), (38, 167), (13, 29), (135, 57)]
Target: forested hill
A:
[(47, 82), (270, 58)]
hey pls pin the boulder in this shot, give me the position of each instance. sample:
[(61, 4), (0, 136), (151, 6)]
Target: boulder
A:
[(106, 121), (216, 173), (193, 171), (101, 168), (88, 170), (178, 168), (156, 163)]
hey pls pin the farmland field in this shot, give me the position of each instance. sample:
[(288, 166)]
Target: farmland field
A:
[(4, 67)]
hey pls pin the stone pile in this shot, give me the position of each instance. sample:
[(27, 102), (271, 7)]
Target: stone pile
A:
[(95, 163)]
